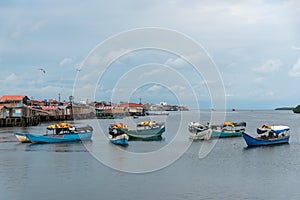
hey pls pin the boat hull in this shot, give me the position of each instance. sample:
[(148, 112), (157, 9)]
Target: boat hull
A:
[(252, 142), (146, 133), (225, 134), (203, 135), (119, 140), (53, 138), (22, 137)]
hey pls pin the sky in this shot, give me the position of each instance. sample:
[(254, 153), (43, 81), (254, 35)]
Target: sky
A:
[(253, 45)]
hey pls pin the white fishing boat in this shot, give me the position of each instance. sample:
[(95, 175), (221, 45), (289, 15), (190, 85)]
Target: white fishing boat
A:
[(199, 131)]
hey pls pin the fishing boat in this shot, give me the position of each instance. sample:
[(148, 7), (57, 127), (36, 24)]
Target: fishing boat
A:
[(268, 135), (117, 135), (145, 130), (228, 129), (119, 140), (199, 131), (22, 137), (62, 133)]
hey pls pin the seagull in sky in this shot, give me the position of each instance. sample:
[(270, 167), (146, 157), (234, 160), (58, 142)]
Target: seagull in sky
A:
[(43, 70)]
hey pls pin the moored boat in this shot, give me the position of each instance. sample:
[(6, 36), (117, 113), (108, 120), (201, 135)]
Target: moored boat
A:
[(62, 133), (117, 135), (145, 130), (119, 139), (199, 131), (22, 137), (268, 135), (228, 129)]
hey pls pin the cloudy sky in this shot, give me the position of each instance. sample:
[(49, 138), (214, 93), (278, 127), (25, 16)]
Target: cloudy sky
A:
[(255, 46)]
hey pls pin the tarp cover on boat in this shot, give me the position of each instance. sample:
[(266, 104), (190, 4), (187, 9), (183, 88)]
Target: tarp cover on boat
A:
[(240, 124), (228, 124), (275, 129), (279, 129)]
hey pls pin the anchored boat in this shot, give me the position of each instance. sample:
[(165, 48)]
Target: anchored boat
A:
[(62, 133), (199, 131), (145, 130), (268, 135), (228, 129), (117, 135)]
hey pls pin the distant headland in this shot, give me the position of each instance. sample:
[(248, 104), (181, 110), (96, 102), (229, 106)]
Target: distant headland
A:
[(285, 108), (297, 109), (294, 109)]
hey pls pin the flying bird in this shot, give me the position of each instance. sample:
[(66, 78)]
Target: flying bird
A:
[(43, 70)]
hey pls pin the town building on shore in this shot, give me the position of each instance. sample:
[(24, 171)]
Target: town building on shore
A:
[(19, 110), (17, 113), (106, 110)]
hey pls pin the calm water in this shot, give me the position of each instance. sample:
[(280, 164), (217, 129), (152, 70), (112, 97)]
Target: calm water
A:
[(229, 171)]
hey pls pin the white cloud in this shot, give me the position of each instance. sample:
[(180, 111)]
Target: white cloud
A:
[(155, 88), (269, 66), (177, 88), (295, 71), (9, 82), (259, 80), (295, 48), (270, 93), (176, 62), (66, 61), (152, 73)]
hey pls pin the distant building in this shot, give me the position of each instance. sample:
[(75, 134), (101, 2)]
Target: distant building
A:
[(132, 109), (84, 101), (163, 103), (114, 111), (16, 105)]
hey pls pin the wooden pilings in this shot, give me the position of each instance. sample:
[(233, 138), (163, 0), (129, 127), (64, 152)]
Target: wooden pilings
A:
[(37, 119), (20, 121)]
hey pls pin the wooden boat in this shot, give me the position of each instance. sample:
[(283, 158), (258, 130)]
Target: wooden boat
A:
[(269, 135), (119, 139), (145, 130), (117, 135), (199, 131), (62, 133), (228, 129), (22, 137)]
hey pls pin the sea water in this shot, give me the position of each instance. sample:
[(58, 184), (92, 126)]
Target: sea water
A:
[(228, 171)]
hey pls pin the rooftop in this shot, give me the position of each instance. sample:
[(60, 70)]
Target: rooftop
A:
[(13, 97)]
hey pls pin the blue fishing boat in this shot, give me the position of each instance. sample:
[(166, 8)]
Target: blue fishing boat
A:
[(62, 133), (117, 135), (119, 139), (228, 129), (268, 135)]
